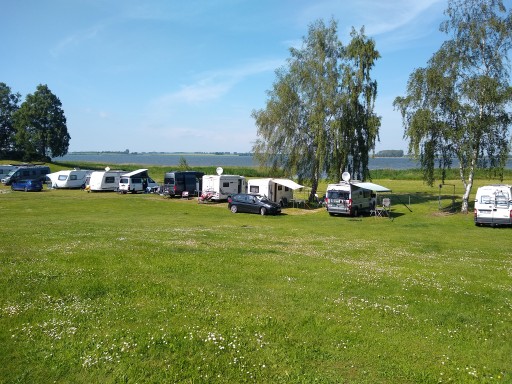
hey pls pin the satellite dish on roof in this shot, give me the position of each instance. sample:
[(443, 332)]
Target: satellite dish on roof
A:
[(107, 169), (219, 171), (345, 176)]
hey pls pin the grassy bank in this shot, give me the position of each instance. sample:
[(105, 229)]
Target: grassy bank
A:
[(137, 288)]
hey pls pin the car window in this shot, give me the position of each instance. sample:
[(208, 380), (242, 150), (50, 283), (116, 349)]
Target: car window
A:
[(486, 199), (501, 200)]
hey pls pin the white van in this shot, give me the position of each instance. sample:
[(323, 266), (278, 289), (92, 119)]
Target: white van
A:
[(137, 181), (493, 205), (352, 197)]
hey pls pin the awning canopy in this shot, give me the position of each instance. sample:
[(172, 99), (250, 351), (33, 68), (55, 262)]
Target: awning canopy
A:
[(288, 183), (372, 187), (141, 172)]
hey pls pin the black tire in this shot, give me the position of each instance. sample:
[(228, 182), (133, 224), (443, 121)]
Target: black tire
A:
[(263, 211), (355, 212), (234, 209)]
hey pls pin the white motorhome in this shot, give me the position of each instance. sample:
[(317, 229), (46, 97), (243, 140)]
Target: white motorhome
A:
[(352, 197), (277, 190), (493, 205), (137, 181), (107, 180), (222, 186), (73, 178)]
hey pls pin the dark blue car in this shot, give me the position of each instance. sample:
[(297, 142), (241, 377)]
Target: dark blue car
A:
[(27, 185)]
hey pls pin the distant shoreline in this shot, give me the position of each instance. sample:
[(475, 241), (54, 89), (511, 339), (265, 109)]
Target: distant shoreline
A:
[(116, 153), (106, 153)]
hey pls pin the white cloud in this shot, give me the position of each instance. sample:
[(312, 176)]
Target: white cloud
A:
[(76, 39), (377, 16), (212, 85)]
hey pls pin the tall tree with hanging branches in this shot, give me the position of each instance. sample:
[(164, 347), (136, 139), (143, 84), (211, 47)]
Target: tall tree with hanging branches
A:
[(458, 106), (320, 107)]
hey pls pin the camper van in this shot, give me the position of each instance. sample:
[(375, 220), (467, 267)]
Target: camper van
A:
[(137, 181), (177, 182), (276, 190), (73, 178), (352, 197), (222, 186), (27, 172), (5, 169), (493, 205), (107, 180)]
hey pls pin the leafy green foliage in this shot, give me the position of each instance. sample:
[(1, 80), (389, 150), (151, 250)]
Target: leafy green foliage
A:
[(41, 131), (8, 105), (319, 116), (458, 106)]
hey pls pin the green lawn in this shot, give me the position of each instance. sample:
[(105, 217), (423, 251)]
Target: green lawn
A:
[(109, 288)]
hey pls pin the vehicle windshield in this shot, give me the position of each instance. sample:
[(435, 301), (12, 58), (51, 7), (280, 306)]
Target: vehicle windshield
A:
[(11, 173), (261, 198), (341, 195)]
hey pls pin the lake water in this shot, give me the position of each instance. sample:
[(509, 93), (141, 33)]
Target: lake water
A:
[(207, 160)]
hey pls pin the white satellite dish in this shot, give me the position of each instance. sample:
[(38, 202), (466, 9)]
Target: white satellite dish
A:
[(345, 176), (107, 169), (219, 171)]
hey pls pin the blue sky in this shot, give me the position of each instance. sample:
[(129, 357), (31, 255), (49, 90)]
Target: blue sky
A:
[(168, 75)]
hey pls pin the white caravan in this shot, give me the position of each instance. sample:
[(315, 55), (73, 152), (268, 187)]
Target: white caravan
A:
[(493, 205), (277, 190), (137, 181), (107, 180), (220, 187), (74, 178), (352, 197)]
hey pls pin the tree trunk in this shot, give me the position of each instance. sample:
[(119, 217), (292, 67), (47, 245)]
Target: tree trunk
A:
[(469, 184)]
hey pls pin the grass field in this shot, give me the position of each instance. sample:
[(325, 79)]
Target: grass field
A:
[(102, 287)]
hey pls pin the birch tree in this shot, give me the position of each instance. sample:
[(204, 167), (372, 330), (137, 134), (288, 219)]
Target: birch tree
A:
[(320, 108), (458, 106)]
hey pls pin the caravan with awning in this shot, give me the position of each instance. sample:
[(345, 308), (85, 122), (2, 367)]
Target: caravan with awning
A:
[(276, 190)]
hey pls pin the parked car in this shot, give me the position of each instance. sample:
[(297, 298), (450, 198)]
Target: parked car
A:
[(252, 203), (27, 185)]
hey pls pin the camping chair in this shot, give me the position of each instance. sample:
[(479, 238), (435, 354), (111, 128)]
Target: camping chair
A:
[(386, 206)]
